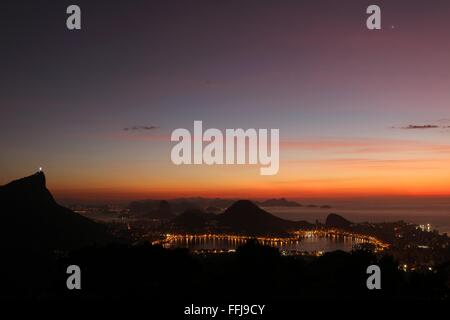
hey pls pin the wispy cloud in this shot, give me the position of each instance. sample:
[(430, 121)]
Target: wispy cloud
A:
[(363, 145), (439, 124), (382, 164), (423, 126), (140, 128)]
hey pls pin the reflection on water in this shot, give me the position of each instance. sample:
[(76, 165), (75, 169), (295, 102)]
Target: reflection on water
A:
[(310, 243)]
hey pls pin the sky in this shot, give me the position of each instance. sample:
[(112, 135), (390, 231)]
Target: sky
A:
[(361, 112)]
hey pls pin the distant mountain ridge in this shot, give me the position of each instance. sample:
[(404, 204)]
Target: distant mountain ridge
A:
[(215, 205), (242, 217), (152, 209), (193, 220), (32, 219), (281, 202), (336, 221), (245, 216)]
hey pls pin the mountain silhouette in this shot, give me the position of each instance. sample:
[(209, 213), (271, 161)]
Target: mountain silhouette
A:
[(244, 216), (282, 202), (192, 220), (163, 212), (32, 219), (143, 207), (150, 208), (336, 221)]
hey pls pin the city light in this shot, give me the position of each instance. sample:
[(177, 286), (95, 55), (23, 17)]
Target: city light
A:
[(296, 237)]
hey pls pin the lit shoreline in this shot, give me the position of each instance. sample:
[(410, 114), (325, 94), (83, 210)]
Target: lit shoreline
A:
[(298, 235)]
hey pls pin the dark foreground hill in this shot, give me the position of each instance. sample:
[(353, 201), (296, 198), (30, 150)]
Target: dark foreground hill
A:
[(32, 220), (254, 272)]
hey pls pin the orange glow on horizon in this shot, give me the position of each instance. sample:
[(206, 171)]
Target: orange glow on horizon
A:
[(316, 168)]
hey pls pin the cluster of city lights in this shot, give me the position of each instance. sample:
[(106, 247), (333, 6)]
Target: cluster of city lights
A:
[(173, 237), (380, 245), (298, 235)]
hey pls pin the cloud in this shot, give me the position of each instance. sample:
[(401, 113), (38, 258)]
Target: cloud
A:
[(424, 126), (437, 124), (140, 128), (362, 145), (367, 163)]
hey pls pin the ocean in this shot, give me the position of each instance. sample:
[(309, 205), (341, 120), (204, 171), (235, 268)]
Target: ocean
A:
[(433, 211)]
